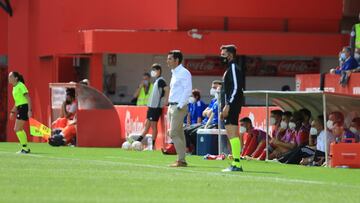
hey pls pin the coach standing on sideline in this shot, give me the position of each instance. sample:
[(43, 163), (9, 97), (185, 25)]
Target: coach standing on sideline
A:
[(180, 91), (233, 88)]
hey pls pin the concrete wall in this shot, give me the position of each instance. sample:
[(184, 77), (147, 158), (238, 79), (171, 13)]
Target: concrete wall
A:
[(130, 67)]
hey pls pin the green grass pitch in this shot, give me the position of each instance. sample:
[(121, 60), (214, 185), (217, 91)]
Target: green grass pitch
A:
[(70, 174)]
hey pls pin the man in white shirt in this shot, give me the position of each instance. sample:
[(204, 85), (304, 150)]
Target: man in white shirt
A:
[(180, 91)]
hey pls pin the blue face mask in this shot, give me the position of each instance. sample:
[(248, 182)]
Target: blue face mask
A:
[(343, 56)]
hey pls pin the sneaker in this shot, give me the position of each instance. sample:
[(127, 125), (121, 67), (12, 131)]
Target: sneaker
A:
[(233, 168), (23, 151)]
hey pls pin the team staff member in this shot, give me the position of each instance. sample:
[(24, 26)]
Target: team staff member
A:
[(156, 102), (144, 90), (233, 89), (22, 108), (180, 91)]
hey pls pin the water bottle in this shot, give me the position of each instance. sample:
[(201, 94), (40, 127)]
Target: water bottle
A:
[(149, 143)]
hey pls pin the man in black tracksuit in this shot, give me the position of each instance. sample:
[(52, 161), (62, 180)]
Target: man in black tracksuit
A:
[(233, 89)]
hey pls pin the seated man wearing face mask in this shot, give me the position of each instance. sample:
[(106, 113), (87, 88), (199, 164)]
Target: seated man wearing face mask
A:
[(195, 108), (349, 63), (275, 122), (210, 120), (355, 128), (336, 125), (315, 151), (276, 135), (253, 141), (294, 137)]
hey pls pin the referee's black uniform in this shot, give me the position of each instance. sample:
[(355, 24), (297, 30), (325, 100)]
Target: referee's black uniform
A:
[(233, 89)]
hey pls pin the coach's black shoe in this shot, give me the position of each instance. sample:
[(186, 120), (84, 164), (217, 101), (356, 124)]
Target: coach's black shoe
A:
[(23, 151)]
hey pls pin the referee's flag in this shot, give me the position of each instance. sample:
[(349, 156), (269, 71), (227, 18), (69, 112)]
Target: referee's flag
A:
[(38, 129)]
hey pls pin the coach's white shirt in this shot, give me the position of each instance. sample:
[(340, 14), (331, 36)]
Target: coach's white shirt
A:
[(180, 86)]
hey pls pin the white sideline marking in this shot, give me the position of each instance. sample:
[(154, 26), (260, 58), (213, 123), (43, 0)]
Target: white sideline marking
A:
[(239, 175)]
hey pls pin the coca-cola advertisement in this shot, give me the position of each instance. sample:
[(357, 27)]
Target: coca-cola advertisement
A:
[(255, 66), (205, 66)]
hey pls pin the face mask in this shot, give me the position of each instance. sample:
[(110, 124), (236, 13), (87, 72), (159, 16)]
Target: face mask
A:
[(272, 121), (343, 56), (153, 73), (224, 60), (146, 83), (213, 92), (357, 56), (353, 130), (292, 125), (283, 125), (242, 129), (330, 124), (313, 131), (192, 100)]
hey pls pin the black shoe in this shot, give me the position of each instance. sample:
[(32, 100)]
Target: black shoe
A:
[(23, 151)]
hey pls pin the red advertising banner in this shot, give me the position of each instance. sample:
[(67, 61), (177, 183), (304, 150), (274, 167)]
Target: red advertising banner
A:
[(255, 66), (205, 66)]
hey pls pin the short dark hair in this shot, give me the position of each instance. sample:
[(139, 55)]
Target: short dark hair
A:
[(177, 55), (229, 48), (70, 92), (347, 49), (246, 120), (285, 88), (298, 116), (287, 114), (156, 66), (320, 119), (217, 82), (277, 112), (147, 75), (196, 93), (306, 112)]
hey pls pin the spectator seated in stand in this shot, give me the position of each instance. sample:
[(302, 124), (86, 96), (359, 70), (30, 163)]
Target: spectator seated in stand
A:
[(349, 63)]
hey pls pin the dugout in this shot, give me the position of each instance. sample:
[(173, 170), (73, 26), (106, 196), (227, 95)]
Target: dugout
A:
[(98, 122), (318, 103)]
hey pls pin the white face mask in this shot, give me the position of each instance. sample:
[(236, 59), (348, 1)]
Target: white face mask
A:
[(330, 124), (242, 129), (357, 56), (213, 92), (283, 125), (353, 130), (313, 131), (153, 73), (192, 100), (292, 125), (272, 121)]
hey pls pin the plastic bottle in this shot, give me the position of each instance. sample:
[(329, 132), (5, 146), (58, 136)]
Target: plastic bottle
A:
[(149, 143)]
